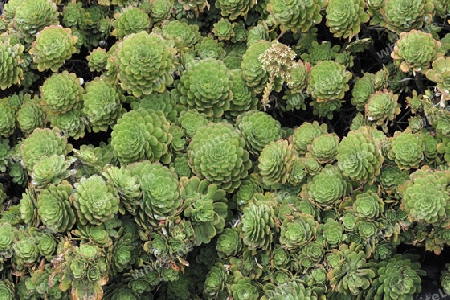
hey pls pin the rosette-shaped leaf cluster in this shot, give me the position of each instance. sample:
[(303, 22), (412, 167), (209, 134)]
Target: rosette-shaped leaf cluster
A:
[(406, 149), (53, 46), (415, 50), (344, 17), (205, 206), (95, 201), (127, 185), (258, 224), (275, 162), (223, 29), (352, 274), (333, 232), (54, 208), (381, 107), (216, 153), (298, 77), (210, 47), (31, 16), (291, 290), (234, 8), (160, 192), (368, 205), (206, 87), (328, 80), (259, 129), (215, 281), (71, 123), (74, 15), (61, 92), (6, 240), (440, 74), (358, 156), (305, 134), (43, 142), (97, 60), (324, 148), (252, 70), (425, 197), (183, 34), (7, 290), (50, 169), (243, 97), (363, 88), (397, 278), (295, 15), (405, 15), (141, 134), (191, 120), (326, 187), (30, 116), (7, 119), (145, 63), (130, 20), (297, 229), (229, 243), (102, 104), (10, 60)]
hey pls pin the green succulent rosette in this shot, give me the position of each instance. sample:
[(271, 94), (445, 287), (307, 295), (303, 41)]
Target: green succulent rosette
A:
[(74, 16), (53, 46), (210, 47), (205, 206), (275, 162), (328, 80), (191, 120), (145, 63), (405, 15), (304, 135), (406, 149), (26, 251), (6, 240), (368, 206), (166, 102), (5, 153), (259, 129), (160, 193), (32, 16), (7, 119), (344, 17), (216, 153), (184, 35), (324, 148), (7, 290), (363, 88), (30, 116), (215, 281), (206, 87), (61, 92), (50, 170), (43, 142), (243, 97), (252, 69), (440, 74), (295, 15), (102, 104), (71, 123), (297, 230), (333, 232), (232, 9), (97, 60), (128, 187), (141, 134), (415, 50), (397, 278), (223, 29), (95, 201), (315, 52), (425, 196), (130, 20), (228, 243), (243, 288), (10, 64), (291, 290), (326, 187), (359, 156)]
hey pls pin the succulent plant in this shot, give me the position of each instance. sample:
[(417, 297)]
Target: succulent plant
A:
[(333, 232), (61, 92), (183, 34), (215, 281), (295, 15), (206, 87), (53, 46), (253, 72), (368, 206), (7, 289), (145, 63), (328, 80), (97, 60), (130, 20), (95, 201), (415, 50), (259, 129), (275, 162), (141, 134), (7, 119), (30, 116), (234, 8), (243, 288), (243, 97), (305, 134), (210, 47), (50, 169), (216, 153), (223, 29), (406, 150), (324, 148), (359, 156), (363, 88), (297, 230), (440, 74), (74, 16), (344, 17), (43, 142), (229, 243), (10, 64), (406, 15)]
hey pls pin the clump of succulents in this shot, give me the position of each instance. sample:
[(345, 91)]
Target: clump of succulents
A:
[(206, 86), (363, 88), (53, 46), (243, 97), (415, 50), (324, 148), (305, 134), (216, 153), (145, 63), (223, 29), (344, 17)]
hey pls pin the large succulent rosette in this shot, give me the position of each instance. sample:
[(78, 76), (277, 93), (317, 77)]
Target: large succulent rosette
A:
[(406, 149), (344, 17), (305, 134), (381, 107), (61, 92), (234, 8), (216, 153), (404, 15), (275, 162), (297, 230), (130, 20), (145, 63)]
